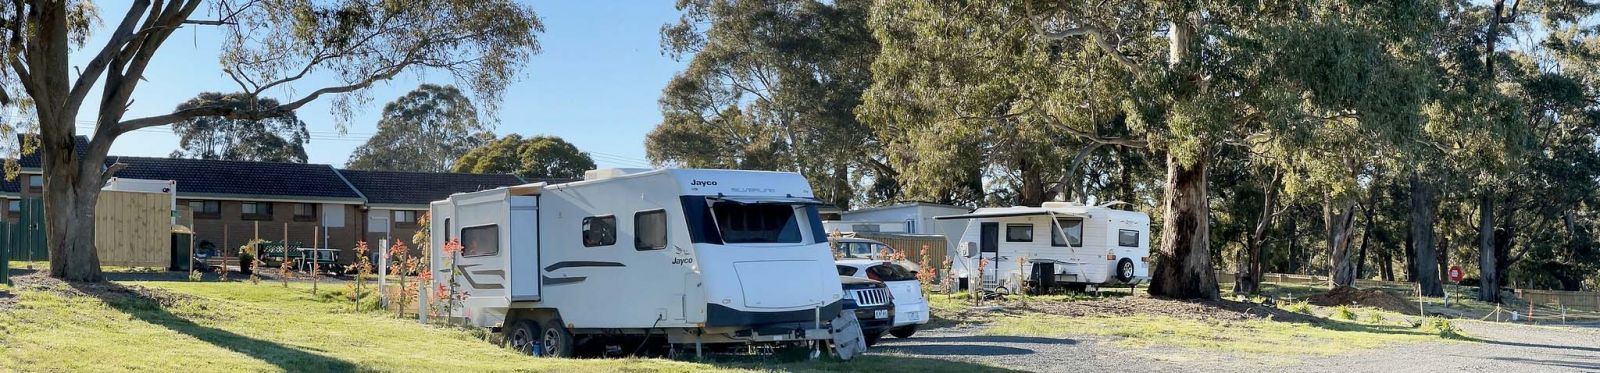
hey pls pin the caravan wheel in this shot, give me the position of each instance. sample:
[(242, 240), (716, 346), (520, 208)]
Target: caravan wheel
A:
[(521, 336), (556, 340), (1125, 270)]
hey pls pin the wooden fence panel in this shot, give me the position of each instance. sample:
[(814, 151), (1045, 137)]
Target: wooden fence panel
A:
[(134, 229), (1570, 299), (911, 245)]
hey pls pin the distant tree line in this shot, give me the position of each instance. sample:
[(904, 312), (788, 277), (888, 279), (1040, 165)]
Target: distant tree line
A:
[(1352, 139)]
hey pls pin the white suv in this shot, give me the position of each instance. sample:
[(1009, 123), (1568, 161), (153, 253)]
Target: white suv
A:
[(910, 308)]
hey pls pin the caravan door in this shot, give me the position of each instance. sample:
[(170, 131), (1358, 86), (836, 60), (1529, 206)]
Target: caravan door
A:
[(989, 248)]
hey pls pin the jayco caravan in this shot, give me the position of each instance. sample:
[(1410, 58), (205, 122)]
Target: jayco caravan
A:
[(1062, 244), (692, 256)]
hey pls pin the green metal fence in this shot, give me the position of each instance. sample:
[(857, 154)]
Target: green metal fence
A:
[(28, 234)]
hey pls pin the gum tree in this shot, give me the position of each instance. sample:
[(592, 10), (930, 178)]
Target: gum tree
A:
[(269, 47)]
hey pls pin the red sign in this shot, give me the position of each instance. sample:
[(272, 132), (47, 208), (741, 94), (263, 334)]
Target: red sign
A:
[(1456, 274)]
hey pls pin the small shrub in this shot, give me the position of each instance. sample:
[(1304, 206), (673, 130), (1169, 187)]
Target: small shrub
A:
[(1302, 307), (1374, 318), (1444, 327), (194, 275), (1344, 313)]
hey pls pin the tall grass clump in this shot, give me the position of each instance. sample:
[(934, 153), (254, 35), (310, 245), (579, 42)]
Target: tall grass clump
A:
[(1343, 312), (1302, 307)]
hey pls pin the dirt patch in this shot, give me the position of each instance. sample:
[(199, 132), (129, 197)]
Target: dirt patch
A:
[(1375, 298), (1220, 310)]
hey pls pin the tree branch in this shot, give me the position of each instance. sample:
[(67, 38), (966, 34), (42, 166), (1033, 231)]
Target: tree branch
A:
[(1098, 35), (223, 111), (91, 72)]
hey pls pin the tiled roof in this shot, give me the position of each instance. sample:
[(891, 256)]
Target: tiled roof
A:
[(197, 177), (421, 188), (11, 187), (31, 160)]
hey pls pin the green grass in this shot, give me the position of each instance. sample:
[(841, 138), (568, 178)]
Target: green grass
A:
[(236, 326), (1253, 337)]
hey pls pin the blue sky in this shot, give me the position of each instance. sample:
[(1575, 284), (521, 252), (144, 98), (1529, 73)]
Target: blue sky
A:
[(595, 85)]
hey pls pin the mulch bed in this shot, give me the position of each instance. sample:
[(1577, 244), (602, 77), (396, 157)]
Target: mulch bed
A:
[(1220, 310), (1375, 298)]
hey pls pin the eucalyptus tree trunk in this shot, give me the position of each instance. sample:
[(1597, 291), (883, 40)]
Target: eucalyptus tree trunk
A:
[(71, 185), (1422, 265), (1338, 216), (1248, 281), (1366, 238), (1489, 277), (1184, 269), (1294, 245)]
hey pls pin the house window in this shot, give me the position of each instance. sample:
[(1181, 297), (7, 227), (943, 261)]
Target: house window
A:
[(256, 210), (1019, 232), (1067, 232), (305, 212), (599, 231), (14, 207), (206, 209), (405, 218), (35, 182), (483, 240), (1128, 238), (650, 230)]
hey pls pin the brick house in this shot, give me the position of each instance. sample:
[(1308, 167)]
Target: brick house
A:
[(230, 200)]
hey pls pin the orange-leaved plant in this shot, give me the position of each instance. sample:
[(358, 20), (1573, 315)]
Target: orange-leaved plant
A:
[(363, 269)]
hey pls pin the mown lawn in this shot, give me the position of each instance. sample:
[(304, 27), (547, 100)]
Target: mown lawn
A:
[(237, 326)]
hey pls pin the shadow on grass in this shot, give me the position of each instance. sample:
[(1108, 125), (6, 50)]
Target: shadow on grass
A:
[(141, 306)]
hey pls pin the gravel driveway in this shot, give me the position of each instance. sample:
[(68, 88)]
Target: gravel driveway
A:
[(1503, 348)]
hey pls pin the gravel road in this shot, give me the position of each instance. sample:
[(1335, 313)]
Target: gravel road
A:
[(1502, 348)]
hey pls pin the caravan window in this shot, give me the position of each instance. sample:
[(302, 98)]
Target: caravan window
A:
[(599, 231), (757, 223), (483, 240), (1067, 232), (650, 230), (1128, 238), (1019, 232)]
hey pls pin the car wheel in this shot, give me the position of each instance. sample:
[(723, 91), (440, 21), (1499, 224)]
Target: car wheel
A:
[(521, 336), (556, 339), (1125, 270), (904, 331), (873, 338)]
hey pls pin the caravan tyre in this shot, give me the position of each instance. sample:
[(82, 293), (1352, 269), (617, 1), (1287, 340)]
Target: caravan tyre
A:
[(1125, 270), (556, 341), (521, 336)]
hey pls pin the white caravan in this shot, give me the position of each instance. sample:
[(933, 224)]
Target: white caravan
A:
[(632, 256), (1065, 244)]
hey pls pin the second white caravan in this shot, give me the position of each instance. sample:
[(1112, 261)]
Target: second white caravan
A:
[(1060, 244), (688, 257)]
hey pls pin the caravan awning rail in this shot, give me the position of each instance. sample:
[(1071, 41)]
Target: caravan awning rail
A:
[(772, 200), (1011, 212)]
